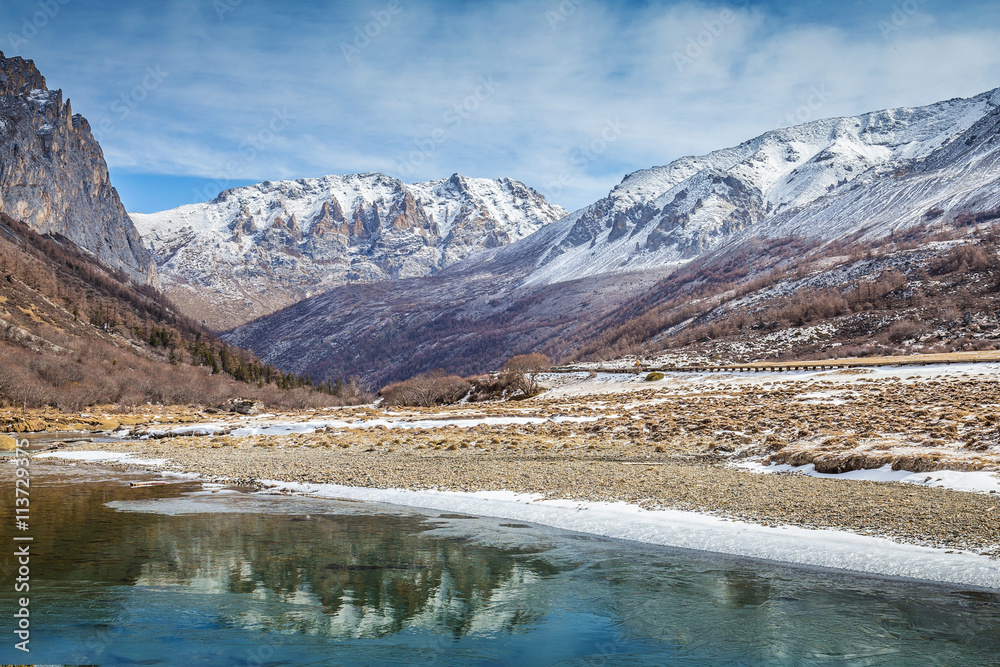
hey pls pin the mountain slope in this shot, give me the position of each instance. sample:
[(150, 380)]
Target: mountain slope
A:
[(747, 214), (258, 248), (53, 175), (825, 179), (74, 332)]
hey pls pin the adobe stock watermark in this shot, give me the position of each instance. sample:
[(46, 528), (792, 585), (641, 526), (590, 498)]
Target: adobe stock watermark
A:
[(33, 24), (809, 109), (22, 545), (700, 43), (901, 15), (364, 35), (561, 12), (583, 157), (223, 7), (249, 149), (453, 118), (129, 101)]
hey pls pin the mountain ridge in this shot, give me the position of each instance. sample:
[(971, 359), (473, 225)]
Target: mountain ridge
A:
[(934, 165), (668, 214), (265, 246), (53, 175)]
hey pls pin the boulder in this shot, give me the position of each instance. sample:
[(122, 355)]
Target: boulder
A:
[(243, 406)]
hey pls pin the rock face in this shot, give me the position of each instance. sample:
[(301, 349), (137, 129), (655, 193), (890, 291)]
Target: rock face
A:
[(256, 249), (53, 175)]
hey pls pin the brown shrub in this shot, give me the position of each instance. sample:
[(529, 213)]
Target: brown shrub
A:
[(904, 330), (425, 390), (522, 372)]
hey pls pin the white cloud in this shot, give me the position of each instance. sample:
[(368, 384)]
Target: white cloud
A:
[(558, 85)]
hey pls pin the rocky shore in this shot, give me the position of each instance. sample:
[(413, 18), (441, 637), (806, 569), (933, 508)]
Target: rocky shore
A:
[(672, 445)]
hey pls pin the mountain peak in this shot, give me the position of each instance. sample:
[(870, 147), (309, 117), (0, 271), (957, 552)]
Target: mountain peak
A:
[(19, 76), (257, 248), (54, 177)]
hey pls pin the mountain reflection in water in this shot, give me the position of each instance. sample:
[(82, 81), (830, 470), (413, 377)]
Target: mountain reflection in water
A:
[(176, 574)]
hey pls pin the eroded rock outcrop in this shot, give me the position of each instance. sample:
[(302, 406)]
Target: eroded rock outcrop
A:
[(53, 175)]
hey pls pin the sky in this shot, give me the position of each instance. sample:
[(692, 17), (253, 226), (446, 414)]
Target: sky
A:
[(191, 97)]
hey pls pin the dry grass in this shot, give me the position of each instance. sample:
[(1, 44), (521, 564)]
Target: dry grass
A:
[(838, 423)]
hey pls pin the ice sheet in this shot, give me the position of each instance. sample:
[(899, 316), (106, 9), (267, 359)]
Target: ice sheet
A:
[(690, 530)]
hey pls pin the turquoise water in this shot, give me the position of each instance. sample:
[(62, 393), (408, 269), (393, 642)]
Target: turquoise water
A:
[(179, 575)]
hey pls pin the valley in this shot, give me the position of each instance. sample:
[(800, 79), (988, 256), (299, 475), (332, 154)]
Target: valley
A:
[(500, 333), (859, 226)]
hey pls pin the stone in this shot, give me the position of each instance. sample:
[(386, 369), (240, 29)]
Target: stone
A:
[(243, 406)]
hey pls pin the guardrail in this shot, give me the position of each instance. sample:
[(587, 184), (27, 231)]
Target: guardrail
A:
[(782, 367)]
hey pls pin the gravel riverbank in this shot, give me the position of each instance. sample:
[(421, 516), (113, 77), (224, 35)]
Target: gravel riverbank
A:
[(667, 446), (918, 515)]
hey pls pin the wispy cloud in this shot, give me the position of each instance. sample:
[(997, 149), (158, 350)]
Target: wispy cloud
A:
[(382, 86)]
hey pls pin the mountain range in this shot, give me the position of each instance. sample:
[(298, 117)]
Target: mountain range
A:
[(871, 227), (852, 180), (256, 249)]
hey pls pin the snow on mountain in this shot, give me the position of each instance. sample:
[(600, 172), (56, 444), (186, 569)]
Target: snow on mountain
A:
[(574, 279), (825, 178), (256, 249)]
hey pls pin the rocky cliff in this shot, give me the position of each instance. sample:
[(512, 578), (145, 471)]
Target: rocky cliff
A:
[(256, 249), (53, 175)]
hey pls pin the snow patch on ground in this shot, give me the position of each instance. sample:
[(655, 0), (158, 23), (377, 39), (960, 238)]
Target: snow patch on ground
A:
[(957, 480), (101, 457), (580, 384), (288, 428), (689, 530)]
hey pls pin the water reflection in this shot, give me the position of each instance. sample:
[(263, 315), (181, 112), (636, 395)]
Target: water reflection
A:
[(175, 574), (343, 576)]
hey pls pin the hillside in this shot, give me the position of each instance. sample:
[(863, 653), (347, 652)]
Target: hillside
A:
[(931, 289), (646, 268), (256, 249), (75, 333), (53, 175)]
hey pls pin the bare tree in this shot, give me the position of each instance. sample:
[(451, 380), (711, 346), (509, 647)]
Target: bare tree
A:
[(435, 388), (522, 372)]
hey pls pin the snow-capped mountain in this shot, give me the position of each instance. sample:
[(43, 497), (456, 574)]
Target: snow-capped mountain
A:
[(255, 249), (858, 178), (827, 178)]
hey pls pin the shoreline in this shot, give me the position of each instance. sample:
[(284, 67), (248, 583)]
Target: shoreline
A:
[(794, 545), (832, 549), (685, 444)]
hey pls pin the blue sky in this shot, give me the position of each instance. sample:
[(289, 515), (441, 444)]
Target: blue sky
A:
[(189, 97)]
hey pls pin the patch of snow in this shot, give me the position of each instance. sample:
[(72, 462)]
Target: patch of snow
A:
[(101, 457), (311, 426), (975, 481)]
